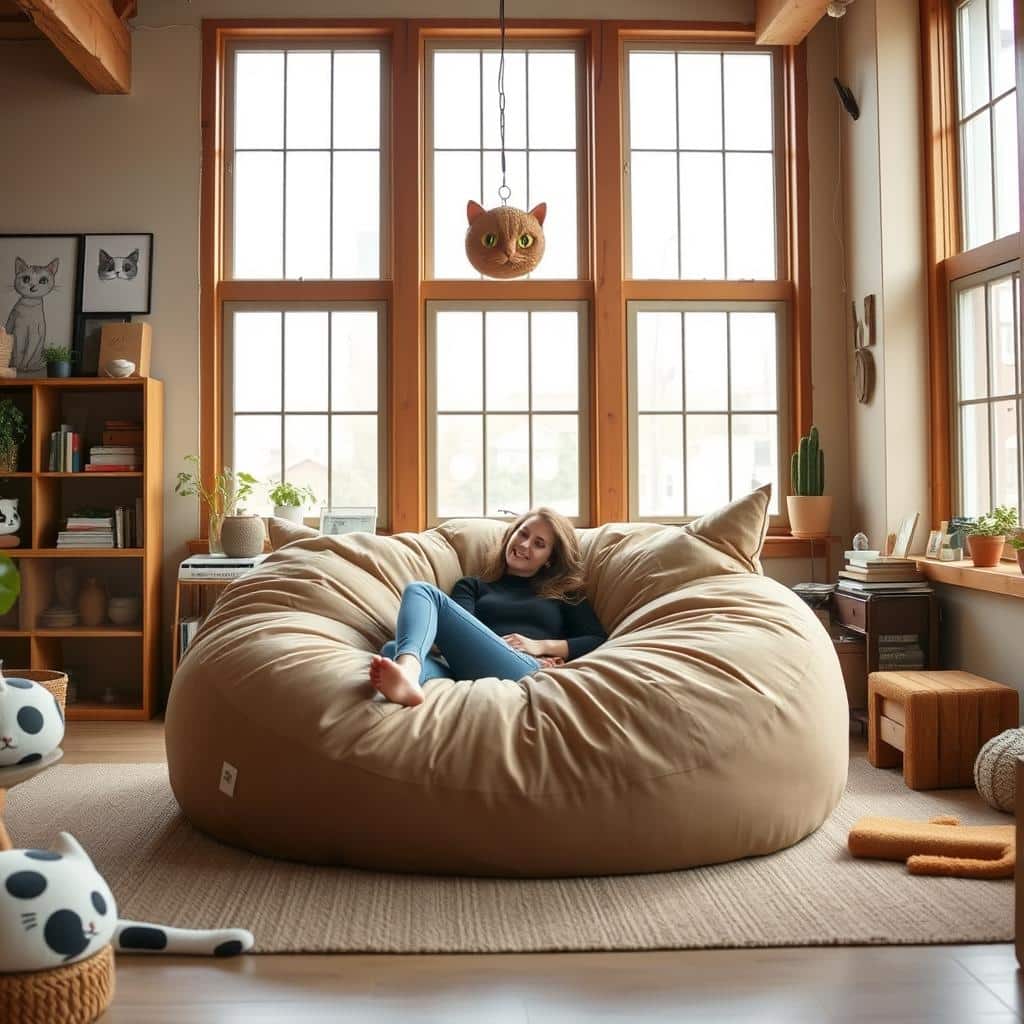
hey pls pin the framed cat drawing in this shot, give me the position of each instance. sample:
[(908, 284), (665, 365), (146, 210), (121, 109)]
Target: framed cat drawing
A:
[(117, 273), (38, 296)]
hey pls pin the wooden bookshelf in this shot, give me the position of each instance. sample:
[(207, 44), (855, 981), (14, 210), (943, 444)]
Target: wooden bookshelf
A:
[(124, 660)]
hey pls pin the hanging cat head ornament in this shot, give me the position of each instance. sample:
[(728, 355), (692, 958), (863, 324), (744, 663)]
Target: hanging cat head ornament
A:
[(505, 242)]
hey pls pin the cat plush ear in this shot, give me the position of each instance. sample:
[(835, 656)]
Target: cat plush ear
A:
[(69, 846), (473, 210), (52, 266), (20, 266), (540, 211)]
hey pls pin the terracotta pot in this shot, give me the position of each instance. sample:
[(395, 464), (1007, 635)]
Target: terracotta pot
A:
[(809, 515), (985, 552), (242, 536), (1020, 558), (92, 603)]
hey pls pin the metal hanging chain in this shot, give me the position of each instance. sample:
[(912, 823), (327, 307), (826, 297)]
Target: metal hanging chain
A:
[(504, 192)]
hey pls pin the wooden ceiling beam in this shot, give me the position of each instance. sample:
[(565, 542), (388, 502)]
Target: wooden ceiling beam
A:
[(90, 35), (787, 22)]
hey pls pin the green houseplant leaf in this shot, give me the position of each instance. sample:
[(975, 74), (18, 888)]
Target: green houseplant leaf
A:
[(10, 584)]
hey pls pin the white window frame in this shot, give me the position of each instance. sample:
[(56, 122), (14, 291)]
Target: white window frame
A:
[(326, 44), (986, 109), (957, 286), (782, 412), (380, 308), (778, 154), (583, 393), (518, 199)]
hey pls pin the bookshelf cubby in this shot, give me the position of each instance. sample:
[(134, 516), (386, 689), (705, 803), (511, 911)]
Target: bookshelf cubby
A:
[(114, 668)]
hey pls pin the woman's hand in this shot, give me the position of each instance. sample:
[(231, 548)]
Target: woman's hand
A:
[(518, 642)]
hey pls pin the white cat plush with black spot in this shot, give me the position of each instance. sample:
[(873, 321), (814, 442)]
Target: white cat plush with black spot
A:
[(31, 724), (56, 909)]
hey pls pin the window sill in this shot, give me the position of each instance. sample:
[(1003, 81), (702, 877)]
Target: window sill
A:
[(1005, 578)]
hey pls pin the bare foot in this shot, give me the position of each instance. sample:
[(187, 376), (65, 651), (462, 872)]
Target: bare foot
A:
[(399, 683)]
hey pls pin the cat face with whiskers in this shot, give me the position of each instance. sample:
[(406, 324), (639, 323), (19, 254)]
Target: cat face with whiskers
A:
[(34, 282), (110, 268), (505, 242)]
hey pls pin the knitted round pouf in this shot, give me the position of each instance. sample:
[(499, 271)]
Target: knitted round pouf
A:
[(76, 994), (995, 770)]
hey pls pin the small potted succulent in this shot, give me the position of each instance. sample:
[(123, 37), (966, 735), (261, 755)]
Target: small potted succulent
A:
[(221, 500), (987, 534), (288, 500), (58, 360), (12, 433), (810, 511)]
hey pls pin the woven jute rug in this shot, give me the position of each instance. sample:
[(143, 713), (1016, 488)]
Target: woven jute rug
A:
[(161, 869)]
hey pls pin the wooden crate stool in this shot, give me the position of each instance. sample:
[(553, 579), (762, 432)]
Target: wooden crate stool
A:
[(938, 721)]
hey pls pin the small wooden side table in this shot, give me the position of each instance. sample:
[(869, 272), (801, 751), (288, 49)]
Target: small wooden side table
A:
[(937, 721)]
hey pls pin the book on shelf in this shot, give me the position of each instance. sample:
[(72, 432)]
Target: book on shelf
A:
[(120, 436), (901, 655), (873, 559), (65, 450), (217, 567), (187, 629), (861, 587), (900, 576), (125, 467)]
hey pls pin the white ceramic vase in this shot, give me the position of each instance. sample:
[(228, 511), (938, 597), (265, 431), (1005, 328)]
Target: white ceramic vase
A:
[(293, 513)]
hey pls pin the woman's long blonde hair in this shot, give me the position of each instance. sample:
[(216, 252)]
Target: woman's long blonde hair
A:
[(563, 578)]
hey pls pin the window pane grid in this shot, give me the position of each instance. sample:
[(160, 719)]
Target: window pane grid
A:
[(987, 137), (308, 249), (990, 426), (709, 236), (301, 445), (527, 447), (457, 158), (686, 427)]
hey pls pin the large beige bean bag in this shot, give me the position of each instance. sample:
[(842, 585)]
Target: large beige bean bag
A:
[(711, 725)]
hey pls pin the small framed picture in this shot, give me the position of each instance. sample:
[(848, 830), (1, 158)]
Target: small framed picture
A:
[(934, 548), (349, 519), (38, 296), (117, 273), (88, 328), (905, 535)]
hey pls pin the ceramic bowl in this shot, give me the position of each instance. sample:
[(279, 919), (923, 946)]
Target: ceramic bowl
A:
[(123, 611), (119, 368)]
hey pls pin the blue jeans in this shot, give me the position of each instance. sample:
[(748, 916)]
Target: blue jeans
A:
[(428, 616)]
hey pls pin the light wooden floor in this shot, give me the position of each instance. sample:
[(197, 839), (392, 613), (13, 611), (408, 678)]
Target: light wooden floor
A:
[(905, 984)]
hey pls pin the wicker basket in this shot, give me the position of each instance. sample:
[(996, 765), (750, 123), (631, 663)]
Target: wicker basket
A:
[(50, 679), (76, 994)]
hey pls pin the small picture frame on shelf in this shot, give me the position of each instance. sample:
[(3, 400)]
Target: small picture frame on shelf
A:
[(38, 296), (117, 273), (88, 330), (934, 547), (348, 519)]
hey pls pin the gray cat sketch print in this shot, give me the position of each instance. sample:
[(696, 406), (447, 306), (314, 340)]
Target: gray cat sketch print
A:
[(26, 322)]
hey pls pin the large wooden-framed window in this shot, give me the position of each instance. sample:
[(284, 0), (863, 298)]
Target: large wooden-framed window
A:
[(973, 110), (588, 177)]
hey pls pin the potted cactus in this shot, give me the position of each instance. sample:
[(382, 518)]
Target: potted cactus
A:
[(810, 511)]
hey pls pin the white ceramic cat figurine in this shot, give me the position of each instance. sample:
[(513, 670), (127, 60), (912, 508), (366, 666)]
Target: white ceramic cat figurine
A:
[(27, 318), (31, 724), (56, 909)]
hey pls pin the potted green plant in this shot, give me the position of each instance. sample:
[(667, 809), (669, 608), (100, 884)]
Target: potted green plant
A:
[(58, 359), (986, 535), (12, 433), (228, 488), (810, 511), (1017, 543), (288, 500)]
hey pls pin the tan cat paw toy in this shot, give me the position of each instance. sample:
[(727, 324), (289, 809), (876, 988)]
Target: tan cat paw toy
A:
[(939, 846)]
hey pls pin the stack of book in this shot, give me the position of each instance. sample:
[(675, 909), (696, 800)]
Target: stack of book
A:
[(114, 458), (871, 573), (87, 530), (65, 450), (900, 650), (187, 629), (125, 532), (216, 567)]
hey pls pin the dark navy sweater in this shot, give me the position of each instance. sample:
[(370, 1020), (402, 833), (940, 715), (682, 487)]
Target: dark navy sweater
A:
[(509, 605)]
